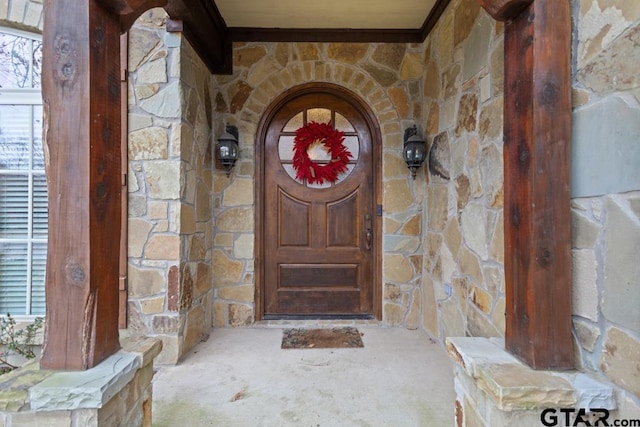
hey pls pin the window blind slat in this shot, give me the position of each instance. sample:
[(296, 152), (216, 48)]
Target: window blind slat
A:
[(14, 206), (38, 268), (40, 208), (37, 150), (15, 136), (13, 277)]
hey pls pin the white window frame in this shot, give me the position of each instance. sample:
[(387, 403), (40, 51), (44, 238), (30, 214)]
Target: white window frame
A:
[(27, 96)]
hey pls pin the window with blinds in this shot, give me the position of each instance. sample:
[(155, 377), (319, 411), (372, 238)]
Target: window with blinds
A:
[(23, 185)]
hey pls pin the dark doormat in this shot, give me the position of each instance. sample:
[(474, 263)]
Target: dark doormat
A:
[(346, 337)]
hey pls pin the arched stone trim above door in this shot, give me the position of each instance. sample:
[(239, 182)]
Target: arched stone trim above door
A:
[(262, 84), (348, 76)]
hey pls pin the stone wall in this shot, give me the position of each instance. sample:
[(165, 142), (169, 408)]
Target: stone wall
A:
[(606, 191), (463, 274), (388, 77), (22, 14), (170, 178), (196, 215)]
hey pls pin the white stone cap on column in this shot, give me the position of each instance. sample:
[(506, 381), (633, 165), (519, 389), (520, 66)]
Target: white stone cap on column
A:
[(512, 385), (90, 389), (591, 393), (470, 353)]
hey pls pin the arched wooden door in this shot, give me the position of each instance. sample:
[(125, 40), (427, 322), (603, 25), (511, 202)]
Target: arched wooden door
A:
[(320, 243)]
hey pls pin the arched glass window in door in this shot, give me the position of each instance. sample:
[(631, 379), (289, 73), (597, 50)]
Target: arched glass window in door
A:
[(317, 152)]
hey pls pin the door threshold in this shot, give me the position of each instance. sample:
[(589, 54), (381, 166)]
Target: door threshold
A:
[(317, 322), (318, 317)]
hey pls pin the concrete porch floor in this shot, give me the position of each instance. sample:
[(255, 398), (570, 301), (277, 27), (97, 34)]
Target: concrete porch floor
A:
[(241, 377)]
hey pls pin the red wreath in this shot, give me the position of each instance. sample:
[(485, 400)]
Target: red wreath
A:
[(313, 172)]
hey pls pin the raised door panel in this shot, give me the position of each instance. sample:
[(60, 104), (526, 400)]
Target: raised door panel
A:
[(319, 301), (293, 221), (314, 275), (342, 222)]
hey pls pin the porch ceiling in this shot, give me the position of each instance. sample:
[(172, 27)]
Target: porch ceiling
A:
[(341, 14), (211, 25)]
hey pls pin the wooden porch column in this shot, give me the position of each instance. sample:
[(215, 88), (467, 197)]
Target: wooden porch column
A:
[(81, 91), (537, 219), (82, 130)]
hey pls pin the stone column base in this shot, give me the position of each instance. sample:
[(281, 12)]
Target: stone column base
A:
[(117, 392), (494, 389)]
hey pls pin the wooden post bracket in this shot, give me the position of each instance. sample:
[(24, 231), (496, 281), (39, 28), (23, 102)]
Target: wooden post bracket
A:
[(503, 10)]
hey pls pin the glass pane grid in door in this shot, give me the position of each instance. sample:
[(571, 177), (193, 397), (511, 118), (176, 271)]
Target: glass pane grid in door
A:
[(320, 115)]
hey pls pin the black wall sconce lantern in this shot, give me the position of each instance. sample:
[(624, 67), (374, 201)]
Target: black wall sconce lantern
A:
[(415, 150), (227, 148)]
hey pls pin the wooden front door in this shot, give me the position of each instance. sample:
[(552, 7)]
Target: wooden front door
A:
[(319, 240)]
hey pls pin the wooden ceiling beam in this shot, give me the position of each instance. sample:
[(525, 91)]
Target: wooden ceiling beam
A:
[(432, 19), (325, 35), (125, 7), (207, 32), (503, 10), (199, 20), (129, 10)]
